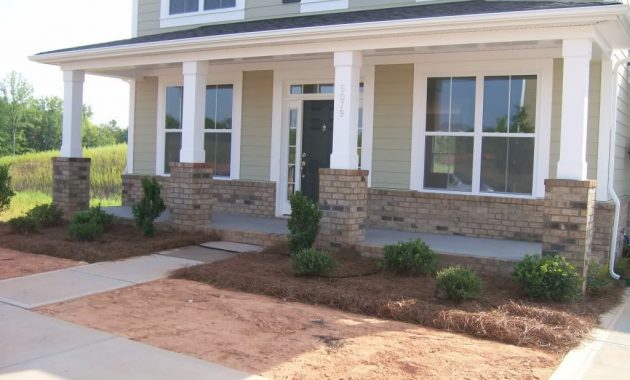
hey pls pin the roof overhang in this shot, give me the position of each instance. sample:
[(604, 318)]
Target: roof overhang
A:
[(608, 26)]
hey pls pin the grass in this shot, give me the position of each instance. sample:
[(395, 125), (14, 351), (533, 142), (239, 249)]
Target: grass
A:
[(23, 201), (32, 172)]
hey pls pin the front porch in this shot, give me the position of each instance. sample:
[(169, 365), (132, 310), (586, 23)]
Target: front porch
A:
[(489, 256)]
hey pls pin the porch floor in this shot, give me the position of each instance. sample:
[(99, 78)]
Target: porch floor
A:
[(510, 250)]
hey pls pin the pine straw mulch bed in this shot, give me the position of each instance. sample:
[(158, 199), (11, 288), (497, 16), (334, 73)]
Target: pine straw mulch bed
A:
[(501, 313), (120, 241)]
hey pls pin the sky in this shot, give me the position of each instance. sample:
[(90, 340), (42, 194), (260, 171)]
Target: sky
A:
[(28, 27)]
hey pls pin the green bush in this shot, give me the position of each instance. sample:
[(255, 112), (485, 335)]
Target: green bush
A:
[(548, 278), (6, 193), (303, 223), (622, 266), (312, 262), (150, 206), (23, 224), (458, 283), (101, 217), (411, 257), (598, 280), (47, 215), (90, 224)]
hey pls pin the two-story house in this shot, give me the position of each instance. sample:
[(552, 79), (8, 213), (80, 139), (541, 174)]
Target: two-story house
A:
[(497, 119)]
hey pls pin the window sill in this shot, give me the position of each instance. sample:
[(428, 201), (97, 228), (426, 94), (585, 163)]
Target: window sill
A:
[(204, 17)]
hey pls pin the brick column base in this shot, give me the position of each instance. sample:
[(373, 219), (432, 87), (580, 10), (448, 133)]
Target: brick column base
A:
[(343, 201), (568, 216), (71, 184), (190, 196)]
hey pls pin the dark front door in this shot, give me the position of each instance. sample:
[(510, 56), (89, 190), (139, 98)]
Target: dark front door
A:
[(317, 137)]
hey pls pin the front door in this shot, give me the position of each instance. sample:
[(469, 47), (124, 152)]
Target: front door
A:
[(317, 138)]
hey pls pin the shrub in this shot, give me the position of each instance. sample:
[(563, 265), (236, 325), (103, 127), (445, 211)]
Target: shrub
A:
[(150, 206), (622, 266), (411, 257), (90, 224), (6, 193), (101, 217), (458, 283), (304, 223), (23, 224), (598, 280), (47, 215), (548, 278), (312, 262)]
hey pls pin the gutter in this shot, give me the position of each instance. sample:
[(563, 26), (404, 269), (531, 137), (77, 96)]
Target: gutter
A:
[(308, 34), (611, 172)]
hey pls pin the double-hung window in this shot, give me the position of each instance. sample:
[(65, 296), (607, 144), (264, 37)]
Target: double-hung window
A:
[(480, 134), (189, 6), (217, 127)]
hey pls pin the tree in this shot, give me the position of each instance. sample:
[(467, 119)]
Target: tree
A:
[(17, 94), (45, 130)]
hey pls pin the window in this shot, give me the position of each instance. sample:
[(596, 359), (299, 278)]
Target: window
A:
[(218, 127), (504, 134), (218, 4), (189, 6)]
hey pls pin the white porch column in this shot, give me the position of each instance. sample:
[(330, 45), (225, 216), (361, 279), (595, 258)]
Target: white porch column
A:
[(346, 119), (575, 83), (194, 112), (72, 113)]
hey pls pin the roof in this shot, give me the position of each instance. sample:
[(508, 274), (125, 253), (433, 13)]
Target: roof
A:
[(422, 11)]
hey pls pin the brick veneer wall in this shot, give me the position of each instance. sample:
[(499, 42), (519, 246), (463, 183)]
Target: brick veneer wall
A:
[(233, 196), (604, 212), (454, 214), (71, 184), (190, 195)]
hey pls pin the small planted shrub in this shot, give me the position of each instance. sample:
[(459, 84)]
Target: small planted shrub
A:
[(312, 262), (303, 223), (458, 283), (412, 257), (23, 224), (90, 224), (6, 193), (548, 278), (150, 206), (101, 217), (48, 215), (598, 280)]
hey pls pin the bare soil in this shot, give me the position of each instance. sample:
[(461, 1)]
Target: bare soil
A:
[(17, 264), (120, 241), (286, 340), (500, 313)]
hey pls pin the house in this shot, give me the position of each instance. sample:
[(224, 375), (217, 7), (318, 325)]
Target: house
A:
[(479, 118)]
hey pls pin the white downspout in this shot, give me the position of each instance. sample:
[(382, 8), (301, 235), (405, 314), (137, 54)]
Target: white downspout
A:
[(611, 172)]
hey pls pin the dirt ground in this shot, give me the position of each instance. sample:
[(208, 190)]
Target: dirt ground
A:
[(120, 241), (285, 340), (17, 264)]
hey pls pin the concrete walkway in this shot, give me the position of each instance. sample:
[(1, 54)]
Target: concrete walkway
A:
[(606, 354)]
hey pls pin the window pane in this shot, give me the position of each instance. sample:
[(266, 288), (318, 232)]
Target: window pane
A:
[(448, 163), (224, 107), (438, 104), (211, 107), (172, 146), (507, 164), (523, 104), (463, 105), (218, 148), (496, 92), (291, 176), (326, 88), (310, 88), (183, 6), (174, 98), (296, 89), (217, 4)]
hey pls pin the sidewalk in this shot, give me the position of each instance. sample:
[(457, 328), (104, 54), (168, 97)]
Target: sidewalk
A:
[(606, 355)]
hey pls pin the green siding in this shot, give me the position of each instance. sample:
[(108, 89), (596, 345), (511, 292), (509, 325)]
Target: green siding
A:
[(256, 125), (145, 126), (622, 163), (393, 108)]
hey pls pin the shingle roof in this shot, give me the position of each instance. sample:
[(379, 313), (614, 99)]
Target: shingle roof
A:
[(420, 11)]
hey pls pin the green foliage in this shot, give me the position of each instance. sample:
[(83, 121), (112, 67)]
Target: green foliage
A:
[(458, 283), (598, 280), (150, 206), (412, 257), (33, 171), (6, 192), (304, 222), (548, 278), (23, 224), (622, 266), (312, 262), (46, 215), (90, 224)]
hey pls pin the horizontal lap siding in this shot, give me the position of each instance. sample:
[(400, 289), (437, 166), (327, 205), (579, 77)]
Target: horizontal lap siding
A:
[(621, 184), (145, 126), (393, 107), (256, 125)]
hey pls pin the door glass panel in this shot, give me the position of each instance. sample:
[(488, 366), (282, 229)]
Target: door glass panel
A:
[(293, 123)]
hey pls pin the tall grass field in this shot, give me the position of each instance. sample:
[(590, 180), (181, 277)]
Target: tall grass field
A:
[(31, 177)]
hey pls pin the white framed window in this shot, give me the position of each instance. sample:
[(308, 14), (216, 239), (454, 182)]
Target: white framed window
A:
[(221, 127), (483, 131), (322, 5), (189, 12)]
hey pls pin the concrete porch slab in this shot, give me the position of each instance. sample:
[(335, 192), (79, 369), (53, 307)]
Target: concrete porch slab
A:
[(197, 253), (232, 247)]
